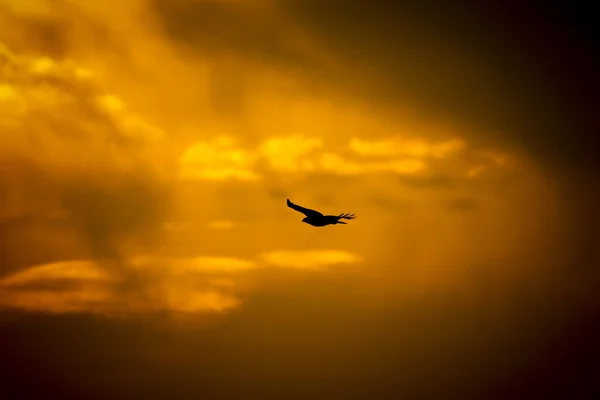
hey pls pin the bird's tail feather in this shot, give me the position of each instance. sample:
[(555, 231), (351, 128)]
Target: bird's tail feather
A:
[(347, 216)]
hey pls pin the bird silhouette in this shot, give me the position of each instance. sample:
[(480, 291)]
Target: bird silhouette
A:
[(315, 218)]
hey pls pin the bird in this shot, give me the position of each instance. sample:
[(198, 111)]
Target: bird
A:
[(317, 219)]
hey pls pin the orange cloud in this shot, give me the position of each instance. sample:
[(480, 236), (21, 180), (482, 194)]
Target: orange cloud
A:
[(417, 148), (221, 160), (309, 259), (76, 286), (175, 284), (83, 270), (291, 153), (218, 159)]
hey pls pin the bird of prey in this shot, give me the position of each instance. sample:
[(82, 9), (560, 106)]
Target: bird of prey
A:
[(315, 218)]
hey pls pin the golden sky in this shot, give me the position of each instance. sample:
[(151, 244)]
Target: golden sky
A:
[(147, 148)]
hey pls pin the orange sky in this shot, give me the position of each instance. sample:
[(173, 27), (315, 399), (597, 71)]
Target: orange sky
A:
[(147, 149)]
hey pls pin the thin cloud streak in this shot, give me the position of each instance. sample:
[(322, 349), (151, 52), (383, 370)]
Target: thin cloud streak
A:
[(309, 259)]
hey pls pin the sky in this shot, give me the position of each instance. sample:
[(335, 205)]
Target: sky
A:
[(147, 148)]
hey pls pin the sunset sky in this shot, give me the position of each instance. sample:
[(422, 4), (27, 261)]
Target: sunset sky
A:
[(147, 148)]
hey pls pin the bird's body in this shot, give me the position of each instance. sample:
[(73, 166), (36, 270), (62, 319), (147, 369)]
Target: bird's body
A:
[(316, 218)]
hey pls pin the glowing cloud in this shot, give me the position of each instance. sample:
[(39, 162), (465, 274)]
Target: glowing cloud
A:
[(402, 167), (309, 259), (83, 270), (195, 264), (81, 286), (189, 301), (217, 160), (69, 116), (417, 148), (290, 154), (336, 164), (217, 264)]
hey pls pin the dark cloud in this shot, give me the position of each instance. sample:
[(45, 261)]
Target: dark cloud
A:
[(513, 76), (222, 28), (55, 33), (51, 239), (109, 212), (29, 218), (464, 204), (517, 71), (342, 347)]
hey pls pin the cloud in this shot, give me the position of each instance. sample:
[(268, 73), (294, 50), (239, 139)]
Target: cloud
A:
[(72, 151), (336, 164), (175, 284), (259, 34), (298, 259), (66, 286), (464, 204), (221, 225), (292, 153), (193, 302), (496, 157), (67, 301), (82, 270), (402, 167), (69, 115), (309, 259), (88, 286), (218, 159), (481, 80), (417, 148), (199, 264), (475, 171)]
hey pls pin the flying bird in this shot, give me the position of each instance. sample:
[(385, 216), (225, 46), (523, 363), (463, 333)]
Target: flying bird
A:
[(315, 218)]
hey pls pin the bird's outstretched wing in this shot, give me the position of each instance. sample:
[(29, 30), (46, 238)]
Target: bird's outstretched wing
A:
[(306, 211), (347, 216)]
